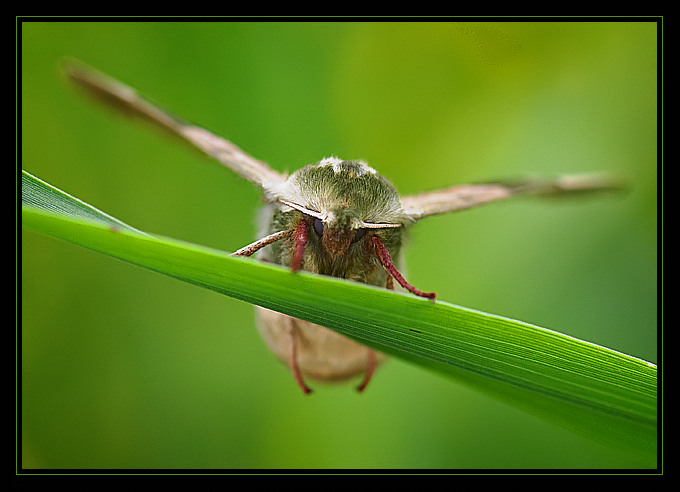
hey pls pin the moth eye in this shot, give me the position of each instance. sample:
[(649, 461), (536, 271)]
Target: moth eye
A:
[(318, 227), (358, 234)]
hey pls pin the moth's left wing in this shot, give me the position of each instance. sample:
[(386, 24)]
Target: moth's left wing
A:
[(463, 197), (129, 101)]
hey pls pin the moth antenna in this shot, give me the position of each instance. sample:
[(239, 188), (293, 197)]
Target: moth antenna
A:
[(261, 243), (386, 260), (299, 240)]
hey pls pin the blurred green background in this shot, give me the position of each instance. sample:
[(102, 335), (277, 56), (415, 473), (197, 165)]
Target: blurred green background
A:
[(125, 368)]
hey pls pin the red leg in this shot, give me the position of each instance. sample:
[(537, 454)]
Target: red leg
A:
[(369, 371), (299, 241), (386, 260), (292, 364)]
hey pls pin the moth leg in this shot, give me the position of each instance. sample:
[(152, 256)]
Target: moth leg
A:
[(389, 283), (372, 363), (300, 239), (386, 261), (292, 362), (261, 243)]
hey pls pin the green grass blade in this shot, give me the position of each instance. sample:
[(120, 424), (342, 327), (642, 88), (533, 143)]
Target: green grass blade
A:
[(603, 393), (37, 194)]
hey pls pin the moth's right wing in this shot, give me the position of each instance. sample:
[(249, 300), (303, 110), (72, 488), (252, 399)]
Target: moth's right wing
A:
[(129, 101), (463, 197)]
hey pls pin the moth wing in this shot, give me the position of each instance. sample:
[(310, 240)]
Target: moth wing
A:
[(126, 99), (463, 197)]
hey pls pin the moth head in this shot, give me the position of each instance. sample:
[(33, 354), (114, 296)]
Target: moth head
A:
[(343, 201)]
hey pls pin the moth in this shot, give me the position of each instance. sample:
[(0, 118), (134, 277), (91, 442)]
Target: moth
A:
[(334, 217)]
